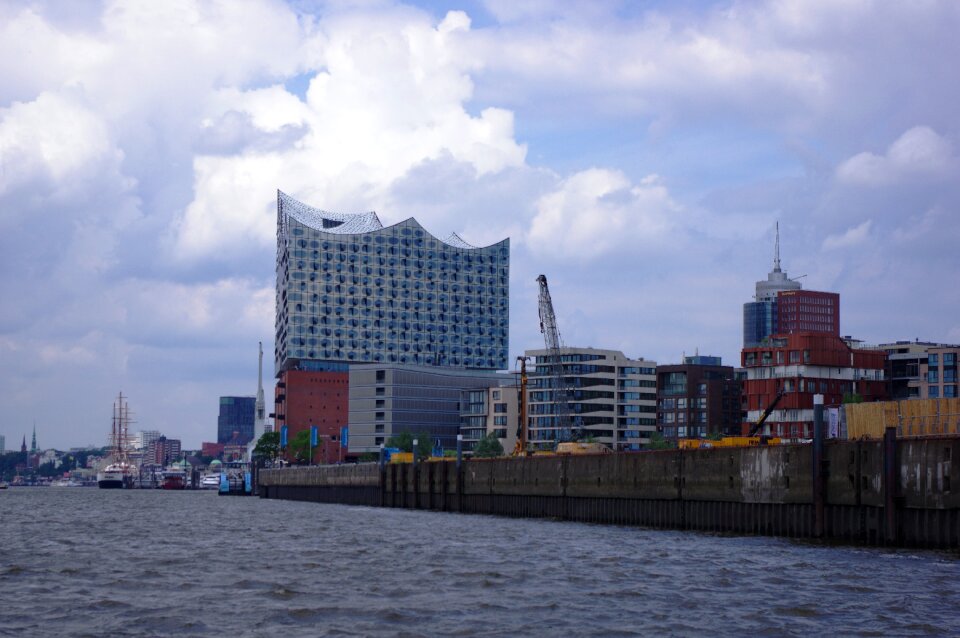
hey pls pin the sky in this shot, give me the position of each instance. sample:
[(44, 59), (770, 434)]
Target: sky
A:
[(639, 154)]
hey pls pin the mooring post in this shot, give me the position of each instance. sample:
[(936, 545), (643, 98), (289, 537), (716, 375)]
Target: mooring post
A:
[(383, 476), (416, 477), (459, 472), (818, 482), (890, 485)]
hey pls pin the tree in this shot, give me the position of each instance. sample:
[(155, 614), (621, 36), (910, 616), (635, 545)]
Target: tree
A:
[(404, 443), (300, 447), (657, 442), (488, 447), (268, 446)]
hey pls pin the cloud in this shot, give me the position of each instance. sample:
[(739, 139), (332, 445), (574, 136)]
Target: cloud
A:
[(851, 237), (55, 145), (388, 94), (917, 154), (594, 211)]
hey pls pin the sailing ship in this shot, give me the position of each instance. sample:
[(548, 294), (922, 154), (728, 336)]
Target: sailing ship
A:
[(119, 471)]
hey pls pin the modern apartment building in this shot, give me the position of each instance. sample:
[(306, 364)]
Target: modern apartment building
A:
[(939, 373), (612, 399), (386, 399), (492, 410), (801, 365), (698, 398)]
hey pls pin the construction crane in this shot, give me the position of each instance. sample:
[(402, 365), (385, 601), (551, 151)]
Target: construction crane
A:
[(551, 339), (520, 449), (755, 430)]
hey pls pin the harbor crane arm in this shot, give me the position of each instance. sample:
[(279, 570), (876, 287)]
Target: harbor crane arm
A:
[(766, 413)]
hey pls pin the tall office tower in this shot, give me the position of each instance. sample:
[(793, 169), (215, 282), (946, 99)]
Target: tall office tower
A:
[(236, 415), (808, 311), (351, 291), (760, 315)]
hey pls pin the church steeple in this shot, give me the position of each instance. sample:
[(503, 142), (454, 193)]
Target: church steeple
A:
[(33, 441), (23, 446)]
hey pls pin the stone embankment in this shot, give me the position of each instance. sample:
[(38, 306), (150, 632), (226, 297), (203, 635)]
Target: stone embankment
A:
[(894, 492)]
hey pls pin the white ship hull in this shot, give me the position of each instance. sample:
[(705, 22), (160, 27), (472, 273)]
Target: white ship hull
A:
[(113, 478)]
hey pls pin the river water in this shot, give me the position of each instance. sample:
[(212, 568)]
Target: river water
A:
[(86, 562)]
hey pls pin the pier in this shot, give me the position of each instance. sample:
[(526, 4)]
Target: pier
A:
[(890, 492)]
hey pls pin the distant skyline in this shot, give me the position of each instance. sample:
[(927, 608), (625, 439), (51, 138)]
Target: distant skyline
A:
[(638, 154)]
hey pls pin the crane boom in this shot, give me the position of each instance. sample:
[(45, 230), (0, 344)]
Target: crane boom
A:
[(558, 383), (548, 320)]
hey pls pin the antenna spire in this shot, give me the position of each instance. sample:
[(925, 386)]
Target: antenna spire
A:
[(776, 251)]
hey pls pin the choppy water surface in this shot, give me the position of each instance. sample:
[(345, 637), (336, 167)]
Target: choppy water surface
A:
[(85, 562)]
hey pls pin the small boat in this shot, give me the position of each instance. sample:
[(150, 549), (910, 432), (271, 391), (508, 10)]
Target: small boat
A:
[(174, 480), (66, 483), (210, 481), (3, 485)]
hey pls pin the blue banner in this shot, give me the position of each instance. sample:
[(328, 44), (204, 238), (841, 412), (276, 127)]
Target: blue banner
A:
[(283, 437), (314, 435), (343, 437)]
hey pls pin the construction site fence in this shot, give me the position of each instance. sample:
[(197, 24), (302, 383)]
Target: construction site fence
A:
[(911, 417)]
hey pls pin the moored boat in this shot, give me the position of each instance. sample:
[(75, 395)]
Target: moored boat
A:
[(174, 480), (119, 473)]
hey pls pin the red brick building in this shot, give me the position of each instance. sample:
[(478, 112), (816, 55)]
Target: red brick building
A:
[(304, 399), (808, 311), (804, 364)]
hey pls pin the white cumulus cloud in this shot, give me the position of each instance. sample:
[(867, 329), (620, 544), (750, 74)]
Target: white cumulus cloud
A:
[(919, 153), (851, 237), (598, 209)]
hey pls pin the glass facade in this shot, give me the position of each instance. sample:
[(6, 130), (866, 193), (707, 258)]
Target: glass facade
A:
[(759, 322), (351, 291), (236, 415)]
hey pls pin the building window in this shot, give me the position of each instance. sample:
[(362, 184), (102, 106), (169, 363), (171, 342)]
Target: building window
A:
[(806, 356), (702, 388), (379, 416), (500, 420), (794, 356), (500, 407), (379, 403), (379, 392), (933, 392), (682, 404), (381, 375), (949, 359), (496, 395), (949, 374), (378, 440), (950, 391), (932, 376)]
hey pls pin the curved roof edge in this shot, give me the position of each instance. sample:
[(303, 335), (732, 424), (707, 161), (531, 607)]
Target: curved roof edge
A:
[(353, 224), (336, 223)]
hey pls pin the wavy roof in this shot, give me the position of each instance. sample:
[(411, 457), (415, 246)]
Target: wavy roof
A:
[(344, 223), (336, 223)]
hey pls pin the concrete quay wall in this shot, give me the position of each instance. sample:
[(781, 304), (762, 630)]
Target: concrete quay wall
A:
[(894, 492)]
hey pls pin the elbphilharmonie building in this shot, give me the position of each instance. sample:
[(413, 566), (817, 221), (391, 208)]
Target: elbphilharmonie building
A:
[(350, 290)]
